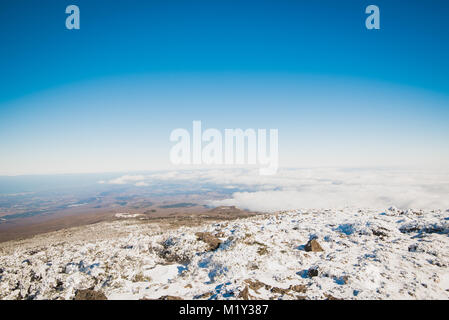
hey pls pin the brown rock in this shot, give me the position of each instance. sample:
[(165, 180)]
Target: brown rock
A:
[(244, 294), (170, 298), (262, 251), (89, 294), (330, 297), (206, 295), (256, 284), (313, 246), (345, 279), (298, 288), (212, 242), (280, 290)]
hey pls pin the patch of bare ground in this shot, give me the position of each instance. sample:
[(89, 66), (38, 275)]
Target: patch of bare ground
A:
[(168, 220)]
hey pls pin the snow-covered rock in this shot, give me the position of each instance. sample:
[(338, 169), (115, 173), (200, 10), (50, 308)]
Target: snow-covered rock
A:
[(367, 254)]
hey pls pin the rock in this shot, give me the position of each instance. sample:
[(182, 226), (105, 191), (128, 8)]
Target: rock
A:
[(262, 251), (280, 290), (313, 246), (256, 284), (209, 239), (89, 294), (380, 232), (298, 288), (170, 256), (205, 295), (34, 276), (312, 272), (170, 298), (244, 294), (163, 298), (330, 297), (59, 285)]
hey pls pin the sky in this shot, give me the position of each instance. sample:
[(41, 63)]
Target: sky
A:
[(106, 97)]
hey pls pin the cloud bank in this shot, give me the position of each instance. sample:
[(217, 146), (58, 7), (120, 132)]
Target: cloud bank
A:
[(313, 188)]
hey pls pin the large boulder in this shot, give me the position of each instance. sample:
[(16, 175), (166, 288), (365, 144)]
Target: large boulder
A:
[(313, 246)]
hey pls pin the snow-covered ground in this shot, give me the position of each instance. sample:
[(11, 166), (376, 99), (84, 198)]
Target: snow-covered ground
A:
[(368, 254)]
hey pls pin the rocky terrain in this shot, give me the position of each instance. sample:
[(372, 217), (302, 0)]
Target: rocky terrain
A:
[(309, 254)]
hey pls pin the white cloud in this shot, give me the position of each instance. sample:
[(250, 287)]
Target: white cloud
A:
[(127, 179), (315, 188)]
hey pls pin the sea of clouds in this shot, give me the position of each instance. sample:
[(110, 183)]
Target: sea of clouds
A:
[(317, 188)]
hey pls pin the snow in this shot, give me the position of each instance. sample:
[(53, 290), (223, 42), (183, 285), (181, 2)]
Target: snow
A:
[(368, 254)]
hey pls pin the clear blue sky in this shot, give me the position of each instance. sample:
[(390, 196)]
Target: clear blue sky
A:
[(106, 97)]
